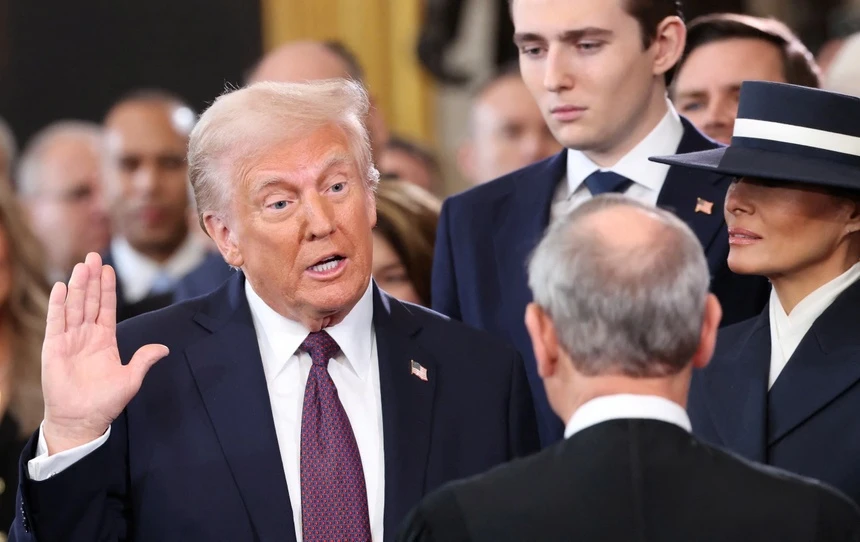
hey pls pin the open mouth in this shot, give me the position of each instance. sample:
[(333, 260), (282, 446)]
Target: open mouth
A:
[(328, 264)]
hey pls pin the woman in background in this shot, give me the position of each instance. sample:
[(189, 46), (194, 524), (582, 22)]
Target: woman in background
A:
[(24, 294), (403, 240), (784, 388)]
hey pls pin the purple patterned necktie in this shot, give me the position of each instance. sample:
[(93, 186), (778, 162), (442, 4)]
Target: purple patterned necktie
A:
[(334, 497)]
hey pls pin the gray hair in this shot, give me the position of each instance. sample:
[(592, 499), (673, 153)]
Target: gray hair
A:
[(634, 309), (30, 167), (242, 124)]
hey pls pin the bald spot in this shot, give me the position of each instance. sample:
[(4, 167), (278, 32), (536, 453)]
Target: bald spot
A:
[(168, 115), (624, 229), (300, 61)]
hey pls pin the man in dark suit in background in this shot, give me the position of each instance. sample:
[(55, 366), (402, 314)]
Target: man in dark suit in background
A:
[(597, 69), (296, 402), (621, 316), (146, 187)]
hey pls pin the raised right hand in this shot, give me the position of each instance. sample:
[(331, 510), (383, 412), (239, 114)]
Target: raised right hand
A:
[(84, 383)]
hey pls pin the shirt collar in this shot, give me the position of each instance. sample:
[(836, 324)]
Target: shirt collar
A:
[(812, 306), (663, 140), (626, 406), (137, 272), (284, 336)]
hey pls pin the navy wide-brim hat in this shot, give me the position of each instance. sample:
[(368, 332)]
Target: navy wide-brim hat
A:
[(787, 133)]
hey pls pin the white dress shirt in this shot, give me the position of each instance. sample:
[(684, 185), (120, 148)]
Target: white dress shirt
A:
[(626, 406), (648, 177), (787, 330), (355, 372), (137, 273)]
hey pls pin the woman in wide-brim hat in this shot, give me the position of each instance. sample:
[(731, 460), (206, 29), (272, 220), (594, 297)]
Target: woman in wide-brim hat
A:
[(784, 388)]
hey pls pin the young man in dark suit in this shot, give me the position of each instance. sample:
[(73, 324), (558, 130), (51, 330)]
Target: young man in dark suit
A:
[(598, 71), (622, 315), (297, 401)]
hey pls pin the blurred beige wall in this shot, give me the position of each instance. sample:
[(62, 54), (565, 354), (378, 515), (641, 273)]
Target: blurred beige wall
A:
[(383, 34)]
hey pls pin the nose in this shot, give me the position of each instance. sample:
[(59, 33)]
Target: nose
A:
[(738, 200), (319, 215), (557, 76), (720, 118), (146, 178)]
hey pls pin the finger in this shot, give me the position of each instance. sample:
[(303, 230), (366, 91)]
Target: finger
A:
[(143, 360), (94, 287), (107, 305), (56, 322), (77, 293)]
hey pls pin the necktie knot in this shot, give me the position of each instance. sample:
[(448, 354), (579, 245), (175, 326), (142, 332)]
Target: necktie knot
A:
[(321, 347), (603, 182)]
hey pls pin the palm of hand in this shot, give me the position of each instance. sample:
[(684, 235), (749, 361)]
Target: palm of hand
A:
[(84, 383)]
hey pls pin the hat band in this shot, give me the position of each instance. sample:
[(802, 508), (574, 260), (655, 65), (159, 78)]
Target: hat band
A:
[(797, 135)]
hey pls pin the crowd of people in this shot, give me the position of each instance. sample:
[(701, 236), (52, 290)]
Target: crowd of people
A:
[(268, 323)]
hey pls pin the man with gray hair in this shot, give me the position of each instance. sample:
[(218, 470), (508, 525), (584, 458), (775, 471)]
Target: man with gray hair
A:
[(297, 402), (60, 185), (621, 317)]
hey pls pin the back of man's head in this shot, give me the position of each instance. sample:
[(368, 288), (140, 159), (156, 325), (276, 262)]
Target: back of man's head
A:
[(625, 287)]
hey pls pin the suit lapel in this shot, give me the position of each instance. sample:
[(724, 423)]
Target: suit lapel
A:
[(736, 387), (523, 219), (684, 188), (229, 373), (407, 406), (825, 364)]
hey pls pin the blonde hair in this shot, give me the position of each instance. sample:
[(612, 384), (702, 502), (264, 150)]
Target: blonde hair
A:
[(25, 311), (242, 124)]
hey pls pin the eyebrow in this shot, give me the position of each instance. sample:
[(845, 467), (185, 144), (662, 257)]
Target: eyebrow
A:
[(568, 35), (700, 93), (331, 162)]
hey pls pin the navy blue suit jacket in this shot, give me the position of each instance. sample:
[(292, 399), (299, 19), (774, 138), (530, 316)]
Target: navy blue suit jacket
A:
[(809, 421), (487, 233), (195, 455), (126, 310), (212, 272)]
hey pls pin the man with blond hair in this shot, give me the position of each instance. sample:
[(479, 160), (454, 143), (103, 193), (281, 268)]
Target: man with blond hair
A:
[(297, 401)]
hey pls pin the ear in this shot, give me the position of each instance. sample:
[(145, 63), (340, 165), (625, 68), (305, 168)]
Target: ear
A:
[(466, 161), (853, 223), (544, 340), (668, 44), (371, 206), (219, 230), (708, 339)]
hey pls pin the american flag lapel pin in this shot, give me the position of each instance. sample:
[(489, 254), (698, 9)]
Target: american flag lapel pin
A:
[(418, 370), (704, 206)]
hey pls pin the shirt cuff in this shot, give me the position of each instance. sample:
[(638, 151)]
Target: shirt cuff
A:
[(44, 466)]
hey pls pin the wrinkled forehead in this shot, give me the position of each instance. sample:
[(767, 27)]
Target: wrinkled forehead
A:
[(298, 159)]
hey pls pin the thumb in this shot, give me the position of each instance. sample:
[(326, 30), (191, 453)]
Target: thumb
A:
[(144, 358)]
